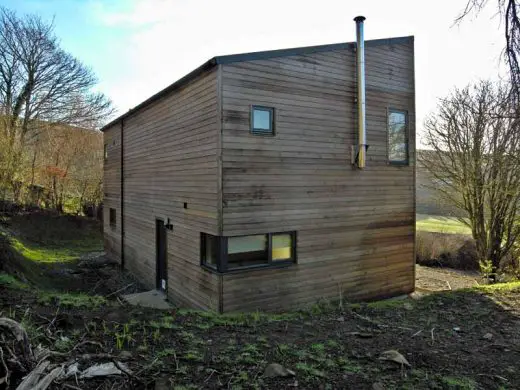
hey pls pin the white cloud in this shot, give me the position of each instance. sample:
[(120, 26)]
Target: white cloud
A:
[(166, 39)]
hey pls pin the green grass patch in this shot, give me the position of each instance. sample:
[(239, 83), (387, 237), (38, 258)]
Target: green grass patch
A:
[(40, 254), (440, 224), (10, 281), (71, 300), (497, 287), (459, 383)]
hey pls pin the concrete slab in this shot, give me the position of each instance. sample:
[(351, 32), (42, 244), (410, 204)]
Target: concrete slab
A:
[(153, 298)]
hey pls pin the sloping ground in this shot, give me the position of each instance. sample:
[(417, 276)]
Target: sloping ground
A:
[(59, 252), (460, 339), (441, 224), (466, 339)]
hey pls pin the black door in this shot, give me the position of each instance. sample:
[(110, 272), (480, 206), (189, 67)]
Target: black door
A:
[(161, 252)]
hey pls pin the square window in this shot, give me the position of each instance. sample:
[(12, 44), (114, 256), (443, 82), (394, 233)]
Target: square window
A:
[(112, 217), (397, 137), (262, 120)]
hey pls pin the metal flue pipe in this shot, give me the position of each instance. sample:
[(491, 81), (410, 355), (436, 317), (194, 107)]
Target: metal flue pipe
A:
[(361, 100)]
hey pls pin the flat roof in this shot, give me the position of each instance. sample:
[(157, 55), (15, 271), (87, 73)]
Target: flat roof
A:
[(258, 55)]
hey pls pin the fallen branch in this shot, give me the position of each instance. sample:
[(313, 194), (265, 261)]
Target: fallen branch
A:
[(118, 291), (87, 342), (31, 380), (49, 378), (494, 376), (20, 335), (5, 379)]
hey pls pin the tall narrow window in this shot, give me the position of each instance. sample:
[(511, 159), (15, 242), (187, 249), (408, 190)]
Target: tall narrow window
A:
[(105, 151), (112, 217), (262, 120), (397, 137)]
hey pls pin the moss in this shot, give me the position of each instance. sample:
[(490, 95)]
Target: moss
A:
[(9, 281)]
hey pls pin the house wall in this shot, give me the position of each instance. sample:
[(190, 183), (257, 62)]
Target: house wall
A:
[(170, 158), (355, 228), (112, 192)]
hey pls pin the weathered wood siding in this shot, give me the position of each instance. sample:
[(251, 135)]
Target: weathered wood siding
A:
[(112, 192), (355, 228), (170, 158)]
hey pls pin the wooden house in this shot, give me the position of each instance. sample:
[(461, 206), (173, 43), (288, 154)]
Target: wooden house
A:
[(270, 180)]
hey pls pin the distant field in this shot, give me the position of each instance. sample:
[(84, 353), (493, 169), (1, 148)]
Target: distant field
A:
[(440, 224)]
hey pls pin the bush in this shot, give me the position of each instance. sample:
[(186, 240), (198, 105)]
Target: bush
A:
[(446, 250)]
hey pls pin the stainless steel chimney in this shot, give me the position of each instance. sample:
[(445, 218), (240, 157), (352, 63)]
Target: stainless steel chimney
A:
[(361, 103)]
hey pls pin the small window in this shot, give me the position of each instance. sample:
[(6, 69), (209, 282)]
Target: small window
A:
[(105, 151), (262, 120), (241, 252), (281, 248), (397, 137), (112, 217)]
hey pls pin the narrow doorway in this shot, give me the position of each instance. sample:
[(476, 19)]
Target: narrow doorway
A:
[(161, 255)]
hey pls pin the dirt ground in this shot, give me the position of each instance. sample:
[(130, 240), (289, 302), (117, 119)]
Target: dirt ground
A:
[(428, 279), (468, 339), (453, 339)]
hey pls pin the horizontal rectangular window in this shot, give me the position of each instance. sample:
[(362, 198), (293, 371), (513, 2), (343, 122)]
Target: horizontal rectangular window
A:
[(262, 120), (397, 137), (242, 252)]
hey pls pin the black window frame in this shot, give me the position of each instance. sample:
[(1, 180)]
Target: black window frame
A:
[(269, 132), (222, 253), (112, 217), (406, 136)]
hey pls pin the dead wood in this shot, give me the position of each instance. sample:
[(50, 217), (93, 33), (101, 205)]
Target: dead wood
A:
[(31, 380), (13, 327)]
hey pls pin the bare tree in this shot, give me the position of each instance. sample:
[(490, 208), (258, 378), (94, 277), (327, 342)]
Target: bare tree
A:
[(40, 82), (509, 12), (475, 157)]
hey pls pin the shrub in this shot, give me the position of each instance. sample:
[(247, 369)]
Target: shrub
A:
[(446, 250)]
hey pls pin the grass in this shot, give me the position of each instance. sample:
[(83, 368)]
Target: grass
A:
[(43, 254), (71, 300), (440, 224)]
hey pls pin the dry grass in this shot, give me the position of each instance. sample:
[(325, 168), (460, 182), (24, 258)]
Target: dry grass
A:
[(447, 250)]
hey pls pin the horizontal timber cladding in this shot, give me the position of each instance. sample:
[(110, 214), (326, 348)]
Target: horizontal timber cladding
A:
[(112, 191), (171, 172), (355, 228)]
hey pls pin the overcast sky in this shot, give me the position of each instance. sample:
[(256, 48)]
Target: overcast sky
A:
[(137, 47)]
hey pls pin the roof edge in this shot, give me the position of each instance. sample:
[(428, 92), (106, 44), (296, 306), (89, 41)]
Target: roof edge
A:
[(172, 87), (258, 55)]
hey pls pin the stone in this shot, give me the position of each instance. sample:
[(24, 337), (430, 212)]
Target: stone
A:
[(275, 370)]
